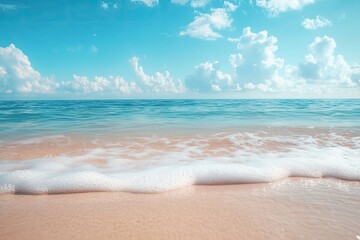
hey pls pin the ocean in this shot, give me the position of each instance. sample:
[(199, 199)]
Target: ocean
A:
[(160, 145)]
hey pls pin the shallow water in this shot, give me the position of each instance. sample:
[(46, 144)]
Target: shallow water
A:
[(32, 118), (159, 145)]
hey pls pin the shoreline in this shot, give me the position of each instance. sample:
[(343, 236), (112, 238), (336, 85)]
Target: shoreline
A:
[(293, 208)]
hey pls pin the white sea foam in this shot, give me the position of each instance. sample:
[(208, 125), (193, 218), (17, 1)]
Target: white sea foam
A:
[(217, 159)]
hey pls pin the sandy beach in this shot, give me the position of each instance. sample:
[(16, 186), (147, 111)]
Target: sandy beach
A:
[(180, 119), (180, 170), (289, 209)]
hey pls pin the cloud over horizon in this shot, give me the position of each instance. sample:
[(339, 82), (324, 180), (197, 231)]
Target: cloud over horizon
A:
[(255, 68), (322, 65), (208, 78), (158, 82), (256, 64), (16, 73)]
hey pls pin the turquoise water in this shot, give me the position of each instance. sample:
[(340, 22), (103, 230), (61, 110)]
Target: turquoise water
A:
[(161, 145), (31, 118)]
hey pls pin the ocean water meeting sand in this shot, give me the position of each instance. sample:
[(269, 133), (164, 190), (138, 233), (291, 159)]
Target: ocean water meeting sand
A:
[(163, 169), (180, 119)]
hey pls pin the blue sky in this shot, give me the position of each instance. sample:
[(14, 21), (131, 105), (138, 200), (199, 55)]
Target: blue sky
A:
[(179, 48)]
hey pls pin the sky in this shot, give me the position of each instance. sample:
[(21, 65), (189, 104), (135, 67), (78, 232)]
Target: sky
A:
[(179, 49)]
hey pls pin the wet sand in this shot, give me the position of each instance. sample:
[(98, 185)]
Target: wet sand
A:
[(259, 140), (288, 209)]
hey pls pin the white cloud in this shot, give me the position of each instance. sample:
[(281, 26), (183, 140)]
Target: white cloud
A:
[(149, 3), (256, 62), (100, 84), (322, 66), (8, 7), (236, 60), (318, 22), (158, 83), (275, 7), (207, 78), (322, 72), (2, 71), (258, 68), (255, 68), (17, 75), (206, 26), (355, 73), (263, 87)]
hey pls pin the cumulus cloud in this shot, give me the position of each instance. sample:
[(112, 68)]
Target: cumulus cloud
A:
[(149, 3), (256, 64), (318, 22), (159, 82), (17, 75), (193, 3), (258, 68), (276, 7), (206, 26), (322, 65), (100, 84), (2, 71), (236, 59), (255, 67), (208, 78)]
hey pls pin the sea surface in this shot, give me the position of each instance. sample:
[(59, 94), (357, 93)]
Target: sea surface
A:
[(161, 145)]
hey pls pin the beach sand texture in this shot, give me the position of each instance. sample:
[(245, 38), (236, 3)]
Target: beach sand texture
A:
[(288, 209)]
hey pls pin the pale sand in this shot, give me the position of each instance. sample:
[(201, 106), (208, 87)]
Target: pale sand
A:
[(290, 209)]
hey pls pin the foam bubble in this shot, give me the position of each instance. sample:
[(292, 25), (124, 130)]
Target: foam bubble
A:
[(158, 164)]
